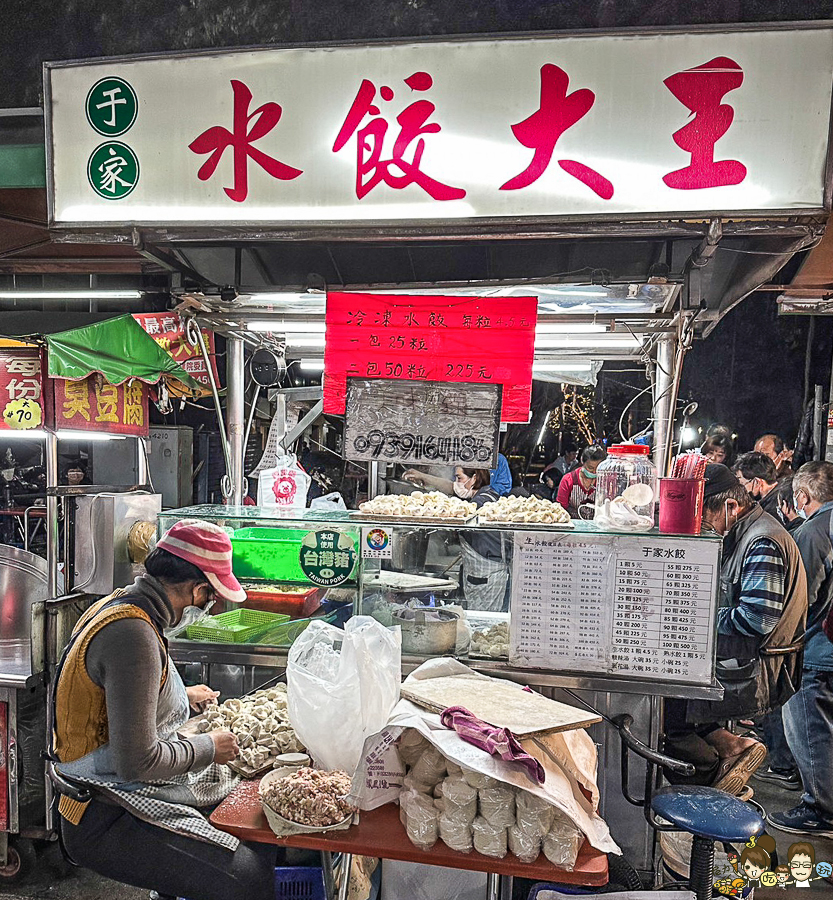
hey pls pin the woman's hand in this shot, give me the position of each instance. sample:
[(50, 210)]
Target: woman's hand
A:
[(200, 697), (415, 477), (226, 747)]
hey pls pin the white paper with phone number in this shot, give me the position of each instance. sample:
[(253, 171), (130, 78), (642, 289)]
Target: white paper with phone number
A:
[(570, 783)]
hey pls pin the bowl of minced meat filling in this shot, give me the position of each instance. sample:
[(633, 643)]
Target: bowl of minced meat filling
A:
[(305, 799)]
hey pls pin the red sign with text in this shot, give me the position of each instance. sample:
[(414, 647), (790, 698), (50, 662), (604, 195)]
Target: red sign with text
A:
[(168, 330), (432, 338), (21, 402), (94, 404)]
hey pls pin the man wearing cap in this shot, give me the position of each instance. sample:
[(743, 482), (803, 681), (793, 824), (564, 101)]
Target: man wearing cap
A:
[(760, 629), (118, 704)]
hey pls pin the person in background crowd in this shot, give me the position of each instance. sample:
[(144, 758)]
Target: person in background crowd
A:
[(763, 608), (808, 716), (579, 486), (500, 478), (567, 461), (547, 485), (773, 446), (718, 448), (756, 473), (486, 558), (786, 505)]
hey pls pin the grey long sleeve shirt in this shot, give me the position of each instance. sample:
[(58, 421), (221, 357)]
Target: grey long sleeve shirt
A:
[(126, 659)]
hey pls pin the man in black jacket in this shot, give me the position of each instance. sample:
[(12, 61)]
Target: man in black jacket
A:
[(756, 473)]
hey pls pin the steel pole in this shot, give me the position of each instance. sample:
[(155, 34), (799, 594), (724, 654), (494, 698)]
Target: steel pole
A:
[(663, 400), (52, 544), (235, 416)]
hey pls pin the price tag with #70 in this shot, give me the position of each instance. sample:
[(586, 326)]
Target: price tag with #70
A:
[(22, 414)]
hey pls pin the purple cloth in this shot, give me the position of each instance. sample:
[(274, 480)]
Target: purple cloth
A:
[(496, 741)]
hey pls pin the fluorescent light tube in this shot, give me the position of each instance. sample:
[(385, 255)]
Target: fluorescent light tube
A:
[(71, 295)]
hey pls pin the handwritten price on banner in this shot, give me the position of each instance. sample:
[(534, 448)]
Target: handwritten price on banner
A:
[(22, 414)]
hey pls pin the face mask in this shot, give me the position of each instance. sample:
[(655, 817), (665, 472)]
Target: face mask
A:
[(588, 474), (190, 616), (802, 513), (462, 490)]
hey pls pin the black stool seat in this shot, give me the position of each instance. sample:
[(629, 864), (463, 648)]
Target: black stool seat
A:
[(707, 813)]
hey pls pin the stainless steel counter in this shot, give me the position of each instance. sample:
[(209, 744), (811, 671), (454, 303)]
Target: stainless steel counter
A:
[(208, 654)]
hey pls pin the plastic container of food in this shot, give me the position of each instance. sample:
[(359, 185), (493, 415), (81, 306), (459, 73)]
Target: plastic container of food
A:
[(298, 601), (626, 489), (268, 554)]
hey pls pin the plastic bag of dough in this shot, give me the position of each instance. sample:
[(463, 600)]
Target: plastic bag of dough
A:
[(475, 779), (497, 805), (525, 846), (430, 767), (455, 835), (533, 815), (488, 840), (460, 800), (562, 843), (410, 783), (417, 814), (411, 746)]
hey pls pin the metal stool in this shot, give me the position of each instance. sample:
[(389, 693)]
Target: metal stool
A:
[(708, 815)]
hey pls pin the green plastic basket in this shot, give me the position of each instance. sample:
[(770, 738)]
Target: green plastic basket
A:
[(268, 554), (235, 627), (282, 635)]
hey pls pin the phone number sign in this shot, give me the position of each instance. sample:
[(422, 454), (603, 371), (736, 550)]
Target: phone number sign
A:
[(484, 340)]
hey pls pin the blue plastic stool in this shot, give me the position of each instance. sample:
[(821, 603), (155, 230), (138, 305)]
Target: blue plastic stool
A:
[(708, 815)]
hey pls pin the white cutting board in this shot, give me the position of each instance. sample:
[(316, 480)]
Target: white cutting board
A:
[(498, 702)]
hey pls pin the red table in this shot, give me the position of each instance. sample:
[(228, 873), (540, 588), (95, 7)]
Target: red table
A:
[(380, 834)]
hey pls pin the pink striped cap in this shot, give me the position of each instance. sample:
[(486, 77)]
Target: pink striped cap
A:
[(208, 547)]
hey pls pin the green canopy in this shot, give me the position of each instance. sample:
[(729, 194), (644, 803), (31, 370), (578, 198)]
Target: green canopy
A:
[(119, 349)]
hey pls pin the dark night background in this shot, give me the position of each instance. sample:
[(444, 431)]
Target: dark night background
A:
[(749, 373)]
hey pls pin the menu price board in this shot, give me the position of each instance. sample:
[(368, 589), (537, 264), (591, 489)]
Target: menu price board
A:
[(422, 423), (463, 340), (21, 389), (619, 605)]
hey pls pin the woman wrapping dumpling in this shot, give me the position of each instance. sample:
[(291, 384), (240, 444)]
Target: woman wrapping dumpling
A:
[(118, 704), (486, 562)]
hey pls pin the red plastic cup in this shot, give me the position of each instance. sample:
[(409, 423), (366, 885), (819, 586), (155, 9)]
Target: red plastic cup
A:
[(680, 505)]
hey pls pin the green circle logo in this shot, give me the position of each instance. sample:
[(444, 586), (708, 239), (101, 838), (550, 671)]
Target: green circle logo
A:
[(112, 106), (327, 557), (113, 170)]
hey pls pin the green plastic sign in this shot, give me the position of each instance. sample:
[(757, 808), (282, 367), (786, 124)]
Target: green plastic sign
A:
[(112, 106), (113, 170), (327, 557)]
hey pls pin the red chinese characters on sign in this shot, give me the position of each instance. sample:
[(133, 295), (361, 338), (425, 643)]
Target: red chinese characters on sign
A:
[(247, 128), (451, 339), (701, 90), (408, 148), (557, 112), (21, 406), (168, 330), (94, 404)]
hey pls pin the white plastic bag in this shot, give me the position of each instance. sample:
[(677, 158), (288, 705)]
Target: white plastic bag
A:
[(285, 486), (342, 687), (331, 501)]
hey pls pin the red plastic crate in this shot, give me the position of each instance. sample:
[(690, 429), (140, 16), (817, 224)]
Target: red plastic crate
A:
[(298, 605)]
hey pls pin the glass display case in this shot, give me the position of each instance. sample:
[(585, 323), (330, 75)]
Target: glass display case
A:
[(588, 606)]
